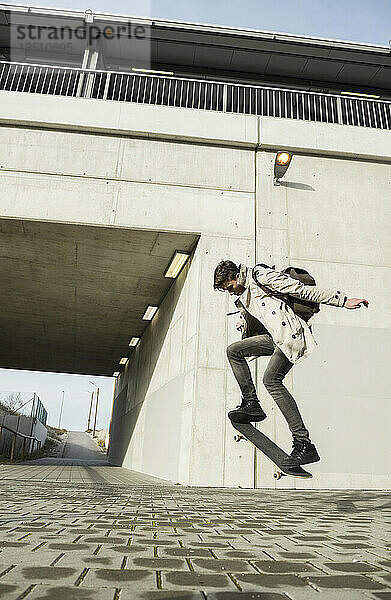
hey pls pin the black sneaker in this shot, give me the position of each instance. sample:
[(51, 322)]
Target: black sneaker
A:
[(303, 453), (247, 412)]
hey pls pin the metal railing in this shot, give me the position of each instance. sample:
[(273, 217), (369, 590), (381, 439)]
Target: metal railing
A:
[(24, 437), (12, 403), (193, 93), (38, 411)]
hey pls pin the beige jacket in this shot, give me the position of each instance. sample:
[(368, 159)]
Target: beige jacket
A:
[(289, 332)]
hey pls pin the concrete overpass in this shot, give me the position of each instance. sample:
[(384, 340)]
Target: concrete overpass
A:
[(97, 193), (149, 179)]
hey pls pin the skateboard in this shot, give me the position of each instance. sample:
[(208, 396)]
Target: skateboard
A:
[(269, 449)]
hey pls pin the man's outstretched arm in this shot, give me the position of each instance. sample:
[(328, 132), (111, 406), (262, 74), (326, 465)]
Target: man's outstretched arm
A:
[(285, 284)]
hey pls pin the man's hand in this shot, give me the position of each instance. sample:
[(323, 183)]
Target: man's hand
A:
[(239, 325), (355, 303)]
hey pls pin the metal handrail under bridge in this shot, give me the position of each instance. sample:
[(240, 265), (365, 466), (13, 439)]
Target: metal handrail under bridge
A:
[(24, 437), (197, 94)]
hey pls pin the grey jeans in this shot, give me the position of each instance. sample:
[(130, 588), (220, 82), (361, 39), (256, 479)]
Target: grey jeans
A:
[(277, 368)]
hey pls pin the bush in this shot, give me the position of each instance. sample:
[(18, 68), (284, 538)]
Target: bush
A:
[(49, 448), (55, 433), (51, 445)]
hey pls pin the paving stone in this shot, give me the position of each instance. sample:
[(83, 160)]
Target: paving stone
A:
[(244, 554), (348, 546), (29, 559), (221, 565), (132, 549), (104, 540), (11, 544), (63, 547), (8, 591), (196, 580), (298, 555), (358, 582), (186, 552), (312, 538), (211, 544), (76, 560), (135, 578), (157, 542), (127, 594), (46, 592), (38, 573), (258, 580), (383, 578), (246, 596), (157, 564), (281, 566), (351, 567), (330, 594)]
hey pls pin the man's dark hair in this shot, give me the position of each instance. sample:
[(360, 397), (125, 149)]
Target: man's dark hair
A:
[(226, 270)]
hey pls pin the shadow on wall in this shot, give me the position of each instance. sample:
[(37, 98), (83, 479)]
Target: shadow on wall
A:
[(297, 186), (132, 386)]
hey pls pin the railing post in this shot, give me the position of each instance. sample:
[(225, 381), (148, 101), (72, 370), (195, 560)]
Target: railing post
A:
[(89, 85), (339, 111), (79, 91), (225, 92), (24, 447), (106, 91), (13, 447)]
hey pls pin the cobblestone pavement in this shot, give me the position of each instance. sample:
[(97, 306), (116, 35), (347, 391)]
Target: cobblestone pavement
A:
[(105, 533)]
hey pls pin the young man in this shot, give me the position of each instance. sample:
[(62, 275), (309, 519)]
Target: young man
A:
[(281, 334)]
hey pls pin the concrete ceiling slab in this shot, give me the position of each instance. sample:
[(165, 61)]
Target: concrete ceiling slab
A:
[(73, 296)]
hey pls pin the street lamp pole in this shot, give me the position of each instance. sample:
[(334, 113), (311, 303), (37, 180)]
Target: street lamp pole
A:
[(62, 404), (96, 407), (96, 411), (90, 411)]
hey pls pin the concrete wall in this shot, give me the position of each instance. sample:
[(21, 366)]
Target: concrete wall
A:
[(332, 216), (211, 174)]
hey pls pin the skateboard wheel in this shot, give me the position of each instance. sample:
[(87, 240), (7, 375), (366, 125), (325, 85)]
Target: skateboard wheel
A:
[(277, 475)]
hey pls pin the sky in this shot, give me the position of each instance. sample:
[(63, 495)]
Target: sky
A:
[(355, 20), (77, 395)]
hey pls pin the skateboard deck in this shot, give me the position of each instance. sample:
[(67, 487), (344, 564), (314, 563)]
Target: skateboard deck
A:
[(269, 449)]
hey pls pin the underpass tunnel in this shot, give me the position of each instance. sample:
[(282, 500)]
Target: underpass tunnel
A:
[(74, 295)]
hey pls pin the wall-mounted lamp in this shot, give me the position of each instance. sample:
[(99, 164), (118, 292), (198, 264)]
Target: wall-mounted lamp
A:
[(176, 263), (149, 312), (281, 164)]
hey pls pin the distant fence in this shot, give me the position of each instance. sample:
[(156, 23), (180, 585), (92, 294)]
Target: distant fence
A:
[(23, 403), (22, 423), (194, 94), (20, 435), (38, 411)]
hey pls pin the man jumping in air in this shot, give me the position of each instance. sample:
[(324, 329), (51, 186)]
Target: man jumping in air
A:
[(270, 327)]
